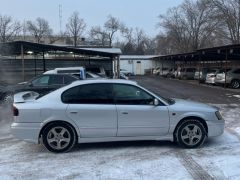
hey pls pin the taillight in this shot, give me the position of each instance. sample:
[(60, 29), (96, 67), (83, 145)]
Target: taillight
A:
[(15, 111)]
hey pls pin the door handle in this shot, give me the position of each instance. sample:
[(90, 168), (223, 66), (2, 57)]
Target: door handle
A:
[(124, 112), (73, 112)]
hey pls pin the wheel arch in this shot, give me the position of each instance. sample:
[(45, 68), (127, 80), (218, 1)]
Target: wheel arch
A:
[(190, 118), (55, 122)]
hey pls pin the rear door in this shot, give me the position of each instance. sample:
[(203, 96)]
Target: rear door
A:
[(91, 107), (137, 115)]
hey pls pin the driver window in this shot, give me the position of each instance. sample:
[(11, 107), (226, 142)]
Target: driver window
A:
[(131, 95), (42, 81)]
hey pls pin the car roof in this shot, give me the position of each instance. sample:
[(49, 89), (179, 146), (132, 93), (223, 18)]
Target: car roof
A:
[(121, 81)]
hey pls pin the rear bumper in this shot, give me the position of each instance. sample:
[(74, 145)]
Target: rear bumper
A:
[(26, 131), (215, 128), (210, 80)]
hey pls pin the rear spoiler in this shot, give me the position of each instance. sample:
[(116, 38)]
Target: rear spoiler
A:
[(25, 96)]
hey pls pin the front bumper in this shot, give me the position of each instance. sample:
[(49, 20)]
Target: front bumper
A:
[(26, 131), (215, 128)]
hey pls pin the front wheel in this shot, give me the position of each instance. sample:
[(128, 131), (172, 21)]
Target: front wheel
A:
[(59, 137), (235, 84), (191, 134)]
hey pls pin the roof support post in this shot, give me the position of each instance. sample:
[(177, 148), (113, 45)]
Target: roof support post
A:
[(118, 67), (23, 63), (199, 64), (35, 65), (114, 67), (162, 68), (226, 58), (44, 62)]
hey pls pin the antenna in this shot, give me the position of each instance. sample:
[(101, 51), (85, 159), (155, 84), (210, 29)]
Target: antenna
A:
[(60, 18)]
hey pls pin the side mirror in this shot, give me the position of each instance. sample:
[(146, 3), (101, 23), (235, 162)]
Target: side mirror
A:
[(156, 102)]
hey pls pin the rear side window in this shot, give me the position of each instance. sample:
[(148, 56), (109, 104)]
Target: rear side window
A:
[(41, 81), (89, 94), (56, 80), (69, 79)]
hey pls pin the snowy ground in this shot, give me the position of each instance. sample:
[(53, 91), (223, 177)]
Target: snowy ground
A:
[(219, 158)]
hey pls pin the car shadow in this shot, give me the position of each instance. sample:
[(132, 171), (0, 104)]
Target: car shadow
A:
[(123, 144)]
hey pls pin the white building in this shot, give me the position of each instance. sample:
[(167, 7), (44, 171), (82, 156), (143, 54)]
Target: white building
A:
[(141, 64)]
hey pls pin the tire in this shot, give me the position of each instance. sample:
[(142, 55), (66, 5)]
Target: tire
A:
[(184, 77), (191, 134), (235, 84), (169, 76), (8, 99), (59, 137)]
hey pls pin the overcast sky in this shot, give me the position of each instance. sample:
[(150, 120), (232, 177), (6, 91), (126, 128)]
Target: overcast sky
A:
[(134, 13)]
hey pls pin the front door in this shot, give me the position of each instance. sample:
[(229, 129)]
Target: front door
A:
[(137, 115), (91, 108)]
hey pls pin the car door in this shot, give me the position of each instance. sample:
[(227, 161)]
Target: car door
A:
[(137, 114), (91, 107)]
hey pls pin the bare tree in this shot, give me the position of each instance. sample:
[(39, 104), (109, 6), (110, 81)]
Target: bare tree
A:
[(112, 25), (75, 27), (9, 28), (99, 35), (39, 29), (229, 13), (127, 33), (137, 42), (191, 25)]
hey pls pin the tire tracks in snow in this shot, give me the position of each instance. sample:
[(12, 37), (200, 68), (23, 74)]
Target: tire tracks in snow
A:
[(193, 168)]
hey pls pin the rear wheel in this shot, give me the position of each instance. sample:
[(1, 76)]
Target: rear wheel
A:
[(8, 98), (235, 84), (191, 134), (59, 137)]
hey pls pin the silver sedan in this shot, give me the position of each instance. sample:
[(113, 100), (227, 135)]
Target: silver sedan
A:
[(110, 110)]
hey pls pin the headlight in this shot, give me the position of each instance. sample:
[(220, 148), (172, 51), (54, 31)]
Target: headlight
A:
[(219, 116)]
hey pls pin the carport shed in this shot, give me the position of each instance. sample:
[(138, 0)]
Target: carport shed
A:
[(21, 50), (223, 56)]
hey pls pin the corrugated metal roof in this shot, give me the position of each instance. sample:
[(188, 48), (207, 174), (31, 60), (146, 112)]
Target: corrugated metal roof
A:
[(15, 48), (138, 57), (105, 50)]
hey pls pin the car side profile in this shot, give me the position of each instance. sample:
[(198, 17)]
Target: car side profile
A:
[(41, 84), (110, 110), (187, 73)]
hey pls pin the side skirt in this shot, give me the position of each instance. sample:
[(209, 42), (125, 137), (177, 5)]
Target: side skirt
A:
[(112, 139)]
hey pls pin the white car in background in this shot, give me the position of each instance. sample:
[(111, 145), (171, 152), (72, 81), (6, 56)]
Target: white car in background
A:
[(230, 77), (110, 110), (126, 72), (210, 77)]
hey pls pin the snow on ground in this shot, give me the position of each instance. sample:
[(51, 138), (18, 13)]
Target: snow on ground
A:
[(219, 158)]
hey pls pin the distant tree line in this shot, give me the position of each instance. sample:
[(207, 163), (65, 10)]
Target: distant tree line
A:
[(192, 25), (199, 24)]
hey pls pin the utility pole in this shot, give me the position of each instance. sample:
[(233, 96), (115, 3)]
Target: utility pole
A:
[(60, 18)]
